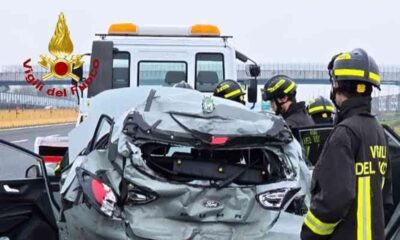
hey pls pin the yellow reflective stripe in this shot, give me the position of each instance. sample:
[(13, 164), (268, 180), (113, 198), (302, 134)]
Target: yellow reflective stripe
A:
[(364, 225), (344, 56), (288, 89), (383, 183), (374, 77), (276, 86), (222, 88), (368, 206), (330, 108), (349, 72), (233, 93), (317, 226), (357, 73), (321, 108), (315, 109)]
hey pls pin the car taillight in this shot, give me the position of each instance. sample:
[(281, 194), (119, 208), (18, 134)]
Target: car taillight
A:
[(277, 198), (98, 194), (104, 196), (52, 159), (139, 195), (218, 140)]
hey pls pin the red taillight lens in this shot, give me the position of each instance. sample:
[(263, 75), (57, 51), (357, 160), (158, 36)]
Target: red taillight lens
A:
[(218, 140), (99, 191), (52, 159)]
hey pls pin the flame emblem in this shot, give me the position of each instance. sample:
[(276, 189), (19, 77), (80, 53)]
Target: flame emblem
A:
[(61, 47)]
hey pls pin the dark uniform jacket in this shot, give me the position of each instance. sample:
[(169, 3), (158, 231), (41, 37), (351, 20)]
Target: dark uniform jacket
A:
[(296, 116), (351, 181)]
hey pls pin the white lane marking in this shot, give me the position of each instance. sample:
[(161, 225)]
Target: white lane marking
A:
[(55, 135), (41, 126), (19, 141)]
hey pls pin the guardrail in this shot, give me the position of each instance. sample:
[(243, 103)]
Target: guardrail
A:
[(13, 118)]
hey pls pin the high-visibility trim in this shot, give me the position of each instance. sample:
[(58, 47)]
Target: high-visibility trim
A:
[(344, 56), (320, 109), (288, 89), (330, 108), (368, 206), (233, 93), (315, 109), (276, 86), (364, 221), (349, 72), (222, 88), (374, 77), (317, 226), (357, 73), (383, 183)]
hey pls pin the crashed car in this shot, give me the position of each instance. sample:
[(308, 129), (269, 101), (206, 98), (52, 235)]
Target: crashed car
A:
[(167, 163)]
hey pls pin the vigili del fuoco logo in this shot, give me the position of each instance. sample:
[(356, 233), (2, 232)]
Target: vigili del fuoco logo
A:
[(60, 65)]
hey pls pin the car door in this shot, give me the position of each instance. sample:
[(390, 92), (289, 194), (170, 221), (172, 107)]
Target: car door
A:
[(393, 227), (312, 140), (26, 209)]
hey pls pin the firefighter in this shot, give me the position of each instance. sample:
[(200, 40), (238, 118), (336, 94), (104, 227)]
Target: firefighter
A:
[(231, 90), (351, 181), (281, 91), (321, 110)]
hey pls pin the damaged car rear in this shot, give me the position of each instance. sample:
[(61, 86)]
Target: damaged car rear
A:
[(179, 165)]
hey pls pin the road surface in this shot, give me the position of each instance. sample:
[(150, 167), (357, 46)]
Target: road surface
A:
[(13, 163)]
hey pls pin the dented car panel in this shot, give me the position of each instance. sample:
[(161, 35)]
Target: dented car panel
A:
[(166, 169)]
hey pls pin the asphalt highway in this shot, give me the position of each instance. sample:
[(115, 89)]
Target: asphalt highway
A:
[(14, 163)]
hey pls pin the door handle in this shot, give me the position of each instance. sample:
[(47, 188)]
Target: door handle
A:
[(10, 189)]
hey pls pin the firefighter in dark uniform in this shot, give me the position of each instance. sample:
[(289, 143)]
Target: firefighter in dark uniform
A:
[(351, 182), (321, 110), (230, 90), (281, 91)]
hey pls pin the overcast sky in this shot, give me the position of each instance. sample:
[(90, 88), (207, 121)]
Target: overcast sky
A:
[(268, 31)]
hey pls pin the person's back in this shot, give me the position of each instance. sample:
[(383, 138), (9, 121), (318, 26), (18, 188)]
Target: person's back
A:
[(354, 119), (351, 181)]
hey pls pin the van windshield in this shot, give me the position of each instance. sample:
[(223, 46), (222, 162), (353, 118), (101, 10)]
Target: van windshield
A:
[(161, 73)]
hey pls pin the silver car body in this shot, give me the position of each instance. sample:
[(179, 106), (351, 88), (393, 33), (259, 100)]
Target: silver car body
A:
[(182, 210)]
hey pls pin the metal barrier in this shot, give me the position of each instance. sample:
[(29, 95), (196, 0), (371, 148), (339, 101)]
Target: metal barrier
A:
[(383, 104), (15, 100)]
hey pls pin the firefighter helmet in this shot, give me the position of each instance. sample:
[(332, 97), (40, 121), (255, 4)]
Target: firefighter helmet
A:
[(279, 86), (320, 105), (231, 90), (355, 66)]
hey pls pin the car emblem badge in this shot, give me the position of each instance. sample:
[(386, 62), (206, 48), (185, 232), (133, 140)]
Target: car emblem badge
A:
[(208, 104), (211, 204)]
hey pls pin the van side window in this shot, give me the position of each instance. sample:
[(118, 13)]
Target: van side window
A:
[(121, 70), (161, 73), (209, 71)]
